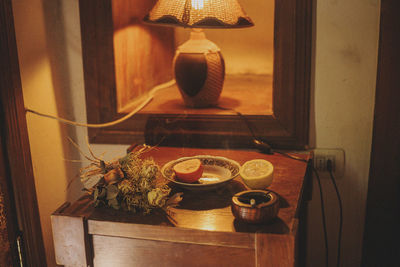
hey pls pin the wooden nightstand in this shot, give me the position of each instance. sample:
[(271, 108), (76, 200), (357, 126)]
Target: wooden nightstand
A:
[(201, 231)]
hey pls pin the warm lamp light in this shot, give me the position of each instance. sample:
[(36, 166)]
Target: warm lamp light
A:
[(198, 63)]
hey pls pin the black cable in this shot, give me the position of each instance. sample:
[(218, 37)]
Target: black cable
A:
[(290, 156), (323, 217), (246, 121), (329, 168), (263, 146), (322, 208)]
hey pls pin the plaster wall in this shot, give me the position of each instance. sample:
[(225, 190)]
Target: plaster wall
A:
[(346, 45), (345, 53)]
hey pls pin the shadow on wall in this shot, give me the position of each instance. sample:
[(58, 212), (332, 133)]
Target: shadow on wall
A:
[(61, 78)]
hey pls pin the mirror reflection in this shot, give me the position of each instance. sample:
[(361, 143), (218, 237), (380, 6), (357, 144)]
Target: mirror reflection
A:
[(144, 54)]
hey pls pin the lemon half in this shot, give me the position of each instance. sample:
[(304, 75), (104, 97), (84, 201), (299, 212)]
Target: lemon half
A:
[(257, 173)]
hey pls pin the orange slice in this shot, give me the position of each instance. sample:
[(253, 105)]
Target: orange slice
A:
[(189, 171)]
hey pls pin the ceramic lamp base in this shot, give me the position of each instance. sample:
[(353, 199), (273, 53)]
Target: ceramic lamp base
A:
[(199, 71)]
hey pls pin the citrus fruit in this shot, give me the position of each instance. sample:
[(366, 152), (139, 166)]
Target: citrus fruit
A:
[(189, 171), (257, 173)]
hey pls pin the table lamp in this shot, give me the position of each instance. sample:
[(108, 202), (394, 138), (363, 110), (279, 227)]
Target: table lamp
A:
[(198, 63)]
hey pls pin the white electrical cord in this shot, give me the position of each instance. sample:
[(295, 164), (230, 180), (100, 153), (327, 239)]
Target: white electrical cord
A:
[(151, 94)]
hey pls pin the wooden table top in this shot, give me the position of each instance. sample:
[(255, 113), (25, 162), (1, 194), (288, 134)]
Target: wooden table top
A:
[(211, 211)]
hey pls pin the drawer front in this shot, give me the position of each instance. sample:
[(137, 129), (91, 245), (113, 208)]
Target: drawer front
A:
[(118, 252)]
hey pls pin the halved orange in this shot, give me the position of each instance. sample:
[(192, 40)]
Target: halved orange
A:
[(189, 171)]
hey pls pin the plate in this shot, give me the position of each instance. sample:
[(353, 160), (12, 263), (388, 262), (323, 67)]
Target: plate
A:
[(217, 171)]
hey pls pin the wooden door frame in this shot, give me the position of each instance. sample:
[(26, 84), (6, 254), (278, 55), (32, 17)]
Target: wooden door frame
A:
[(9, 210), (381, 233), (16, 143)]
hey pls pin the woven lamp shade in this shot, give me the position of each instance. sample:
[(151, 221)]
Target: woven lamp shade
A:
[(199, 14)]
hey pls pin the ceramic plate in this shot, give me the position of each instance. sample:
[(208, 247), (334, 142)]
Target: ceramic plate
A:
[(217, 172)]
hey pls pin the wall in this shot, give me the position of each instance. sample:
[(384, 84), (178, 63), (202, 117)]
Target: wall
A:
[(346, 36), (346, 42)]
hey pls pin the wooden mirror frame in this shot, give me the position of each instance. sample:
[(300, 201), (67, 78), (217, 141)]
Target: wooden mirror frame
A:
[(287, 128)]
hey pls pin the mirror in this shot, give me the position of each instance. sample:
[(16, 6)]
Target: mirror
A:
[(267, 77)]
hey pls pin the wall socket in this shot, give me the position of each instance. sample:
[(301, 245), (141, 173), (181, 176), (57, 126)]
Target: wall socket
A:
[(335, 155)]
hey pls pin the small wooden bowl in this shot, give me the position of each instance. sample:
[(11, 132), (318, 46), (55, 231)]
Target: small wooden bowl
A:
[(264, 208)]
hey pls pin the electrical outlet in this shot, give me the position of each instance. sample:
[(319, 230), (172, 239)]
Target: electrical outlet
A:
[(335, 155)]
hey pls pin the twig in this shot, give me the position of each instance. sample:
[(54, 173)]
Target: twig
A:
[(79, 149)]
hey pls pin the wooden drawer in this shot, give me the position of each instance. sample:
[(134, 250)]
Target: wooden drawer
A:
[(119, 251)]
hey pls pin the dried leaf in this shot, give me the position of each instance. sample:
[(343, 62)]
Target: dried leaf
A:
[(102, 193), (90, 181), (113, 176), (95, 194), (174, 200), (114, 204), (112, 192)]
